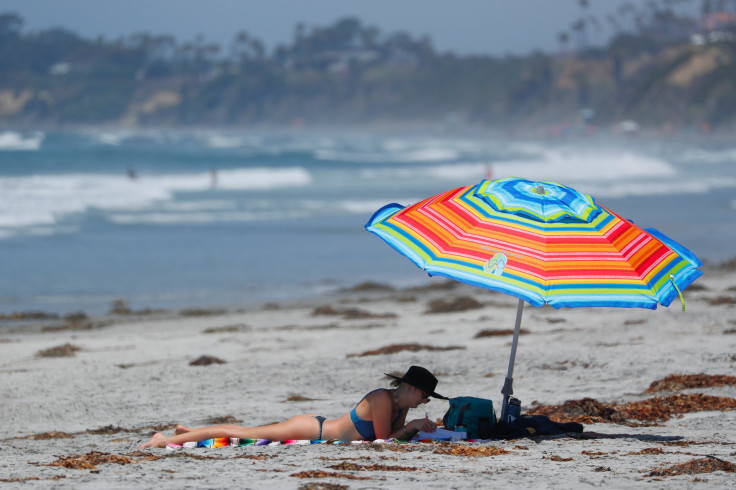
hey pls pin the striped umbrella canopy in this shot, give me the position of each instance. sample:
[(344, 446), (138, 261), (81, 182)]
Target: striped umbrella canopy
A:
[(542, 242)]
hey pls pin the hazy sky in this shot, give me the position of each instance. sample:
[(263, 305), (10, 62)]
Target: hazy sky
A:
[(464, 26)]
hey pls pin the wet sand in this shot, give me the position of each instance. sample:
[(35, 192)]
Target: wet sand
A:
[(81, 394)]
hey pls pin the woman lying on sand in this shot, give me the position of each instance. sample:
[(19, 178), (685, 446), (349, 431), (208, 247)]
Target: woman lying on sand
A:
[(379, 415)]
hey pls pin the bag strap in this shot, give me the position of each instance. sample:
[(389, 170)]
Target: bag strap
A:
[(461, 416)]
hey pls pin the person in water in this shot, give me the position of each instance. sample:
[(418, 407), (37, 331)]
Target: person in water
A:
[(381, 414)]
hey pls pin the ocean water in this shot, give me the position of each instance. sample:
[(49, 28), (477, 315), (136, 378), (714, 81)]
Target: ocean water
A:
[(173, 219)]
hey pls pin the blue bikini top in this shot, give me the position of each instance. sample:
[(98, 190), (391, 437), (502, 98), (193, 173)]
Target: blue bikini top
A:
[(365, 427)]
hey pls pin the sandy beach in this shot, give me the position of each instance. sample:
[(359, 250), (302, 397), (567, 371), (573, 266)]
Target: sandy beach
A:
[(80, 394)]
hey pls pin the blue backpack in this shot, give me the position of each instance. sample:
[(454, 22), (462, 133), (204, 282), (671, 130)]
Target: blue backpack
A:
[(476, 415)]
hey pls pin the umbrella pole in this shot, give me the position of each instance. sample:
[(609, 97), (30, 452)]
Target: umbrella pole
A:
[(508, 389)]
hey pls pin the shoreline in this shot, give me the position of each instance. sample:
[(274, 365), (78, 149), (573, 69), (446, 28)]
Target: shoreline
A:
[(126, 308)]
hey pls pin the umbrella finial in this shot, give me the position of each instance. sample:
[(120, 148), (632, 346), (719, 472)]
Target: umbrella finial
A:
[(540, 190)]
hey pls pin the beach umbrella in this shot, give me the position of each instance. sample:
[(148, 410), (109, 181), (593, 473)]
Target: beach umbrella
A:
[(542, 242)]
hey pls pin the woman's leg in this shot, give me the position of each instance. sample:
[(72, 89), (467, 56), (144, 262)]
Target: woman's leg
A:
[(201, 434), (299, 427)]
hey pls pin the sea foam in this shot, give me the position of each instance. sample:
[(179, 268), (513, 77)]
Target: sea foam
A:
[(44, 199), (13, 141)]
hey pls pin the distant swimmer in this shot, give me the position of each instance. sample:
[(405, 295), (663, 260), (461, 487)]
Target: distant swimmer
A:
[(213, 178), (131, 173), (489, 172)]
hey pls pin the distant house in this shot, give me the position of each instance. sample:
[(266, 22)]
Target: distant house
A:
[(718, 27)]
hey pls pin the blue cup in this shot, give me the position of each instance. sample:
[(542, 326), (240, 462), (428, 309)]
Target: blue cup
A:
[(513, 409)]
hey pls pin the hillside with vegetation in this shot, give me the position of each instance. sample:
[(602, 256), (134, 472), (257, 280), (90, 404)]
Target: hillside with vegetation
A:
[(661, 70)]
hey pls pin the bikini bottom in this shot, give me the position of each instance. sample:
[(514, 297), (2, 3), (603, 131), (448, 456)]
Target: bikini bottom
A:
[(321, 421)]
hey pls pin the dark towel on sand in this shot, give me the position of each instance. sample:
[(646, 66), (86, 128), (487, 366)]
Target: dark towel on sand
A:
[(532, 425)]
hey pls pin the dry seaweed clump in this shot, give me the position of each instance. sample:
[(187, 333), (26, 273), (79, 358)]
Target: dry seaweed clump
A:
[(30, 478), (469, 451), (394, 348), (299, 398), (66, 350), (198, 312), (322, 486), (224, 419), (651, 411), (327, 474), (584, 411), (348, 466), (206, 361), (369, 286), (90, 460), (349, 313), (44, 436), (29, 315), (677, 382), (695, 466), (461, 303)]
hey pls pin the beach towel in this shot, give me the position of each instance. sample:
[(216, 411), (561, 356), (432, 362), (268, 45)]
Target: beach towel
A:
[(234, 441)]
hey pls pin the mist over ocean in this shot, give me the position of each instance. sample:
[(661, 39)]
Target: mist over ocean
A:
[(174, 219)]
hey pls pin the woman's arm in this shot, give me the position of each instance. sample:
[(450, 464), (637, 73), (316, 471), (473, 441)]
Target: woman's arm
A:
[(406, 432), (381, 403)]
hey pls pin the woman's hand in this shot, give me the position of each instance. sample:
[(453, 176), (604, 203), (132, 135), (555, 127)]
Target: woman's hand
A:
[(424, 425)]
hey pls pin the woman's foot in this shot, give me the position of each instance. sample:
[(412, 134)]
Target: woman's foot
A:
[(158, 440), (181, 429)]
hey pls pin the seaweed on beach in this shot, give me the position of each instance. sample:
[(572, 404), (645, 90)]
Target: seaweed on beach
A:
[(451, 449), (555, 320), (649, 450), (30, 478), (90, 460), (499, 333), (44, 436), (258, 457), (66, 350), (394, 348), (369, 286), (460, 303), (322, 486), (328, 474), (555, 457), (647, 412), (677, 382), (638, 321), (68, 326), (198, 312), (722, 300), (298, 398), (349, 313), (227, 329), (348, 466), (153, 428), (29, 315), (143, 456), (708, 464), (223, 419), (593, 454), (206, 361), (148, 456)]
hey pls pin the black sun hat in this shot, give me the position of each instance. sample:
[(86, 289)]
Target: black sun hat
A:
[(420, 378)]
